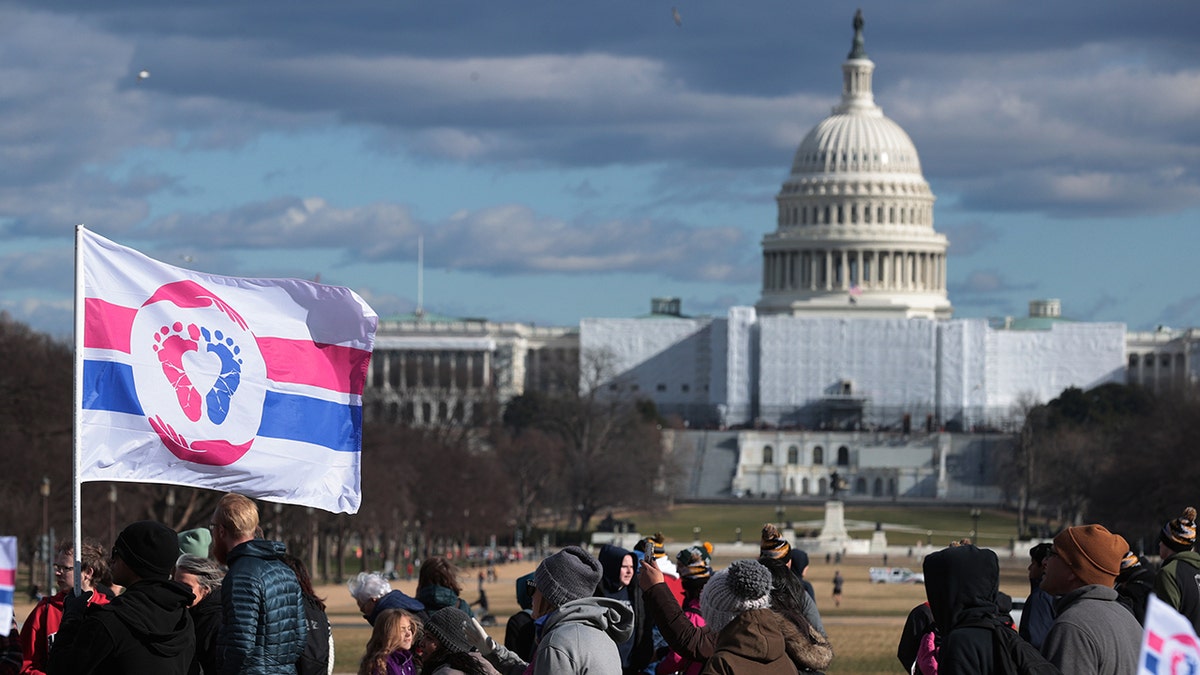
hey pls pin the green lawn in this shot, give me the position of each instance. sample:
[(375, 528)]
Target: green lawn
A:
[(905, 525)]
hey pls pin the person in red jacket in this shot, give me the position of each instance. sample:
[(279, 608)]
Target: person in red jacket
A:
[(39, 630)]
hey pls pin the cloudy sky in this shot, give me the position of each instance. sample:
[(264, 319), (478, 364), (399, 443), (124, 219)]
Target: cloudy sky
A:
[(574, 159)]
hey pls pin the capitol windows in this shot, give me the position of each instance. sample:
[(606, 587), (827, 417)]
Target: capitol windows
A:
[(685, 388), (793, 455), (660, 387), (1133, 360), (843, 458), (768, 455), (818, 456), (1166, 360)]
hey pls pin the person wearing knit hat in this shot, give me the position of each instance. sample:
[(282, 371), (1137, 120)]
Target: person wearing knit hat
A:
[(197, 542), (1176, 583), (1135, 584), (752, 638), (580, 632), (695, 571), (446, 649), (1092, 633), (654, 548), (146, 629), (789, 593)]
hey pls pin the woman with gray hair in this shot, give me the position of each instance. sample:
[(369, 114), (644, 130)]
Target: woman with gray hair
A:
[(203, 576), (374, 594)]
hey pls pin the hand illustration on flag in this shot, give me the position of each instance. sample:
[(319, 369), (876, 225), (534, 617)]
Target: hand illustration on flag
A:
[(242, 385), (1169, 643)]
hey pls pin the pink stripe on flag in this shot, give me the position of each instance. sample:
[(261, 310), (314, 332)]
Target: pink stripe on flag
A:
[(330, 367), (340, 369), (1154, 642), (107, 326), (8, 577)]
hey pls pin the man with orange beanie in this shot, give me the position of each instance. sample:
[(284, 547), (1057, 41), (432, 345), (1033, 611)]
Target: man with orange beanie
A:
[(1093, 633), (1176, 583)]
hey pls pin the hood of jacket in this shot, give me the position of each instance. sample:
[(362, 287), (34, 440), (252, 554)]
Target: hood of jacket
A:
[(755, 635), (805, 645), (611, 617), (610, 558), (396, 600), (156, 613), (437, 597), (961, 583), (257, 548)]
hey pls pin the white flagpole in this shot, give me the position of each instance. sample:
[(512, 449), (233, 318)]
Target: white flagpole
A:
[(76, 525)]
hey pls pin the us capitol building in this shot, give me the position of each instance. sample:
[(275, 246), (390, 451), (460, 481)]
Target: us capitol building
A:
[(849, 361)]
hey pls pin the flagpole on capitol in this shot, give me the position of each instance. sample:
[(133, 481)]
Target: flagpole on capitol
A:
[(76, 524)]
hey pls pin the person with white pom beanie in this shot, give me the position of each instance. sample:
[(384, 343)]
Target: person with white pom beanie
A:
[(736, 604)]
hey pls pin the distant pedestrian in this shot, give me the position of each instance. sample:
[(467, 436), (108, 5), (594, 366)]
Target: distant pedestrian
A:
[(838, 582)]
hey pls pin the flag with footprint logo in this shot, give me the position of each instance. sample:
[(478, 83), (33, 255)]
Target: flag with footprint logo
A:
[(239, 385)]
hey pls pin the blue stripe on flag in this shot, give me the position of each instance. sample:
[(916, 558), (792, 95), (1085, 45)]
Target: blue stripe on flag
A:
[(298, 418), (109, 386), (6, 596), (1151, 662)]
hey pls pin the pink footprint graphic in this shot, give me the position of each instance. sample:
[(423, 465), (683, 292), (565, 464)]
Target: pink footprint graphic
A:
[(171, 345)]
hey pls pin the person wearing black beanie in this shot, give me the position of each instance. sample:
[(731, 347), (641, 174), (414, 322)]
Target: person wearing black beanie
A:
[(146, 629)]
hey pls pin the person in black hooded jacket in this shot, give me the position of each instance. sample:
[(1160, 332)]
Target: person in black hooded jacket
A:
[(616, 582), (147, 629), (961, 583)]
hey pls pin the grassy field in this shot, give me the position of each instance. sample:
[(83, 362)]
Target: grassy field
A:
[(904, 526)]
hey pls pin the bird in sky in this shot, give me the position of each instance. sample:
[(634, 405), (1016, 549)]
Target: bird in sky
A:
[(675, 15)]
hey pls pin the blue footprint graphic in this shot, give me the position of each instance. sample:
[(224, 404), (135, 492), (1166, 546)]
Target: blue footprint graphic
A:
[(226, 386)]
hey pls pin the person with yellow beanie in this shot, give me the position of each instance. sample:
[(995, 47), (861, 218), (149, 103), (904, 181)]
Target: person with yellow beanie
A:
[(1093, 633)]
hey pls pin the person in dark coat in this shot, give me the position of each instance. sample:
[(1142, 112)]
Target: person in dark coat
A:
[(203, 576), (1135, 584), (263, 629), (1038, 615), (147, 629), (918, 623), (799, 565), (318, 647), (616, 582), (519, 631), (374, 596), (438, 586), (961, 583)]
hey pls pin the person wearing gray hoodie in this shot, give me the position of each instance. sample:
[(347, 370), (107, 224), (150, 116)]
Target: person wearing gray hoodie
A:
[(579, 633)]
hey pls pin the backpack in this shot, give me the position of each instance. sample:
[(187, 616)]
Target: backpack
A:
[(317, 651), (1012, 654)]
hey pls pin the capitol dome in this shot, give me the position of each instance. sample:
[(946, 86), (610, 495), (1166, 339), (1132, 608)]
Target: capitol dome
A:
[(855, 219)]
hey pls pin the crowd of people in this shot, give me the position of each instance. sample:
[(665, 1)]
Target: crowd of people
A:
[(1084, 614), (620, 612), (223, 599), (220, 599)]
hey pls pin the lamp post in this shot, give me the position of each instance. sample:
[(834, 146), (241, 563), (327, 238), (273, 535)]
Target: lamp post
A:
[(46, 552), (112, 514), (975, 514)]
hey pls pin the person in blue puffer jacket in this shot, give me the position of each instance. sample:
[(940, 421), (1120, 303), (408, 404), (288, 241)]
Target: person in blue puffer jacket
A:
[(263, 630)]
